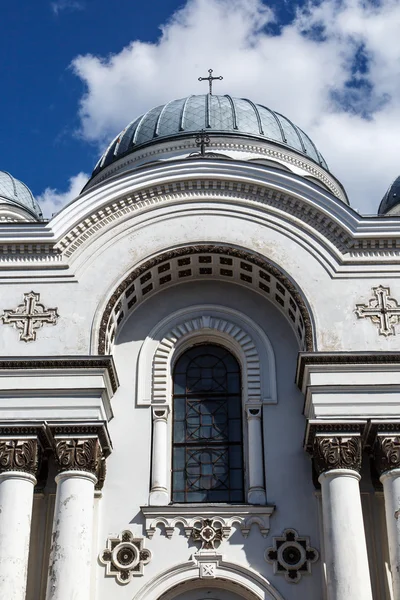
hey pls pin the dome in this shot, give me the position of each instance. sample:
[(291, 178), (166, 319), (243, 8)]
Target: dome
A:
[(13, 191), (390, 199), (221, 115)]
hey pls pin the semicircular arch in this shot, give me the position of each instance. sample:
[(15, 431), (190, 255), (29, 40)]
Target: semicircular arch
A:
[(201, 262), (243, 581)]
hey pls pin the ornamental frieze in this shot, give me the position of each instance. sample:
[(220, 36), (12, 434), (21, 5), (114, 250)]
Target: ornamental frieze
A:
[(19, 455), (337, 452)]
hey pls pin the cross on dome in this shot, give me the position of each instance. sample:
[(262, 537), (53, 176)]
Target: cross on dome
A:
[(210, 79)]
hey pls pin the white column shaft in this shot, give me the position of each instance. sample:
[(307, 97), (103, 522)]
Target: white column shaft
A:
[(256, 493), (159, 468), (16, 498), (71, 552), (344, 537), (391, 488)]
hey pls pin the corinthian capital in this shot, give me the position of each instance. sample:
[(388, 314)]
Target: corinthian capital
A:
[(78, 454), (19, 455), (387, 453), (337, 452)]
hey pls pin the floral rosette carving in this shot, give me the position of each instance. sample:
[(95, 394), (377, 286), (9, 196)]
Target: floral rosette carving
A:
[(80, 455), (337, 452), (124, 557), (387, 453), (19, 455)]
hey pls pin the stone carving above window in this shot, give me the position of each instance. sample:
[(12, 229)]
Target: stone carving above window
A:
[(208, 533), (383, 310), (224, 517), (29, 316), (124, 557), (291, 555)]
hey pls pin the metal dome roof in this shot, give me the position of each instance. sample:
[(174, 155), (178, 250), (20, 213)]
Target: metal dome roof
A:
[(14, 191), (391, 198), (222, 115)]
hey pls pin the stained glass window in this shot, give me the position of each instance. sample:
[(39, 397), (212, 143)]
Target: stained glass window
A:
[(207, 427)]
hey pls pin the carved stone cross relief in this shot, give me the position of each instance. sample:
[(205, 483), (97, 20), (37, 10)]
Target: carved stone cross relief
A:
[(29, 316), (383, 310)]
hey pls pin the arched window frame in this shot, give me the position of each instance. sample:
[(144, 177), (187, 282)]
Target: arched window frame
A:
[(165, 344)]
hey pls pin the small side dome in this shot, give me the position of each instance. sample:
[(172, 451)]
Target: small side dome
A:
[(14, 196), (391, 200)]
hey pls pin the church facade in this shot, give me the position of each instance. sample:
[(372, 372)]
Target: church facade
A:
[(200, 372)]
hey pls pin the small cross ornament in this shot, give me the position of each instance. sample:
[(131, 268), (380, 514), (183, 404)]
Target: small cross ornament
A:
[(383, 310), (202, 140), (29, 316), (210, 80)]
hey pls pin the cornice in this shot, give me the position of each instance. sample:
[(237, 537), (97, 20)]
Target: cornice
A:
[(62, 363), (355, 240), (342, 358), (335, 428)]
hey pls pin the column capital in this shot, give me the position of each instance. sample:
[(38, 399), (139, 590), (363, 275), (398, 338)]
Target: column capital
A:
[(21, 447), (160, 412), (81, 447), (253, 411), (337, 452), (386, 452)]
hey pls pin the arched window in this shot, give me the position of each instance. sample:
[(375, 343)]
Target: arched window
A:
[(207, 427)]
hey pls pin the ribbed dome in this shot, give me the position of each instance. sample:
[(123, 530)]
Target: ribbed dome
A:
[(14, 191), (391, 198), (216, 114)]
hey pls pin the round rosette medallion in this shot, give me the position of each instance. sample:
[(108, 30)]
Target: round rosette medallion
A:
[(125, 556)]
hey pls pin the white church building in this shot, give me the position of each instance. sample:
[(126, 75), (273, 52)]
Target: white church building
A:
[(200, 372)]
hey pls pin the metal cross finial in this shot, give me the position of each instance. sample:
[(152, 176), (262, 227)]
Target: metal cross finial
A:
[(202, 140), (383, 310), (210, 79)]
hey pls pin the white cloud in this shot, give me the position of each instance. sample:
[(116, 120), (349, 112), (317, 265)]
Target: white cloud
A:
[(67, 5), (52, 200), (309, 72)]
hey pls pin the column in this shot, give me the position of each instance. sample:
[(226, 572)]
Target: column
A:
[(256, 493), (19, 460), (337, 460), (387, 462), (70, 562), (160, 458)]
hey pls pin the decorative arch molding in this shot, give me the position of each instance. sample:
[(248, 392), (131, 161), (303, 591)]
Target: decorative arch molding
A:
[(165, 343), (245, 582), (209, 323), (202, 262)]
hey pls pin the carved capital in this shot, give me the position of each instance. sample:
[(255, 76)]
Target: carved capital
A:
[(78, 454), (19, 455), (337, 452), (386, 453), (160, 413)]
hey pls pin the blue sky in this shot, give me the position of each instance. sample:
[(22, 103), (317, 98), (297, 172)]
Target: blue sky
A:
[(39, 103), (75, 72)]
